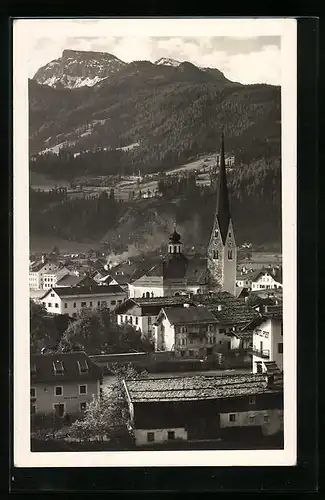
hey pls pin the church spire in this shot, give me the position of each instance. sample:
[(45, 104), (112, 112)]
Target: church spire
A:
[(223, 210)]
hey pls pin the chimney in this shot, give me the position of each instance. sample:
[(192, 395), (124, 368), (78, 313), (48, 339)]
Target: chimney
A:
[(43, 259)]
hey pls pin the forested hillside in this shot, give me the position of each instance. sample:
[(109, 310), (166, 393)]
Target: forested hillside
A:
[(255, 194)]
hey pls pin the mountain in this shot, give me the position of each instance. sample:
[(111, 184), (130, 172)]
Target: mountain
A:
[(76, 69), (167, 61)]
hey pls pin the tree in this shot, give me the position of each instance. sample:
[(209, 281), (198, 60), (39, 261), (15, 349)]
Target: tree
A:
[(44, 332), (108, 416)]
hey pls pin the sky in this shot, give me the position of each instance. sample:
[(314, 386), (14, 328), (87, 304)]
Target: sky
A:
[(246, 59)]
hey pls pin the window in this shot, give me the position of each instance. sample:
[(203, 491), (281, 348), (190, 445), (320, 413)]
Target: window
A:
[(83, 406), (229, 254), (56, 305), (52, 294), (280, 348), (58, 367), (59, 409), (149, 320), (58, 391), (147, 295), (137, 320), (251, 400), (113, 302), (83, 304), (74, 304), (119, 302), (65, 305), (190, 352), (98, 303), (44, 303), (216, 233), (251, 419), (90, 304), (82, 389), (131, 320), (215, 254), (266, 419), (49, 304), (229, 235), (232, 417), (171, 435), (210, 328), (83, 366), (32, 392), (150, 437), (191, 341), (222, 330)]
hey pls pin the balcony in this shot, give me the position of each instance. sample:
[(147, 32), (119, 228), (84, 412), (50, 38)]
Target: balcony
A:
[(264, 353)]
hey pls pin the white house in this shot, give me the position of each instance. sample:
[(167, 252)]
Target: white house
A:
[(190, 331), (267, 338), (267, 278), (70, 300), (45, 274), (142, 312)]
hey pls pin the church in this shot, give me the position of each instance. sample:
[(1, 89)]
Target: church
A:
[(178, 274)]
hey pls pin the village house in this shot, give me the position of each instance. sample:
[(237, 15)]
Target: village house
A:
[(267, 278), (267, 332), (63, 383), (71, 281), (142, 312), (204, 407), (206, 327), (71, 300), (45, 274)]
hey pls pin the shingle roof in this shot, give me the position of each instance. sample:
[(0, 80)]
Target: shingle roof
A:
[(233, 310), (69, 280), (186, 315), (151, 302), (42, 370), (92, 290), (198, 387)]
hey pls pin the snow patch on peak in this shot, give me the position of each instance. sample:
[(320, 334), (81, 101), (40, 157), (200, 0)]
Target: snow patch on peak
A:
[(167, 61)]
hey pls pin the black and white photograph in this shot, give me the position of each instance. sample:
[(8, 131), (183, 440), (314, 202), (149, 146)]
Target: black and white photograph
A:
[(154, 227)]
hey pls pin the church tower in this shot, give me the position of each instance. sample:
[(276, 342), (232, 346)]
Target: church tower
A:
[(222, 251)]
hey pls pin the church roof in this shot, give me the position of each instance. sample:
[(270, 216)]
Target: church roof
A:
[(175, 237), (223, 210)]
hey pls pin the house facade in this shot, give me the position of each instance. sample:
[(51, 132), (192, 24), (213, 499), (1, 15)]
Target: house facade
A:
[(203, 407), (267, 331), (71, 300), (270, 278), (190, 331), (44, 275), (63, 384), (142, 313)]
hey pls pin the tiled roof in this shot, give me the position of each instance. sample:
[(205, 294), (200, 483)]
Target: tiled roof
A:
[(198, 387), (42, 369), (151, 302), (37, 266), (275, 272), (69, 280), (277, 313), (186, 315), (92, 290), (233, 310), (192, 270)]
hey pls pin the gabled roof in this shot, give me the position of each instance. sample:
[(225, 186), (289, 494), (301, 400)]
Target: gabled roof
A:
[(69, 280), (276, 313), (193, 388), (275, 272), (233, 310), (189, 315), (152, 302), (42, 368), (90, 290)]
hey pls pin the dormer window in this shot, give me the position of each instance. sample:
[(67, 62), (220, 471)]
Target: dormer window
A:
[(58, 367), (83, 366)]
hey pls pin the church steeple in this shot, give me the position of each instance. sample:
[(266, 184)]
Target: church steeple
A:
[(175, 245), (222, 250), (223, 210)]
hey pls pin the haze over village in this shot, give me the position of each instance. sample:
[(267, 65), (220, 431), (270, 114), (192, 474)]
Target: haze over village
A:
[(155, 272)]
